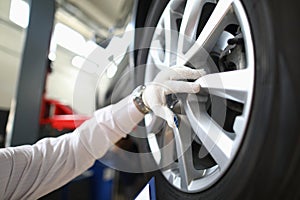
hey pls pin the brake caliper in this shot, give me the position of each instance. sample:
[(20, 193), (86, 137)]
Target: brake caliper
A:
[(233, 56)]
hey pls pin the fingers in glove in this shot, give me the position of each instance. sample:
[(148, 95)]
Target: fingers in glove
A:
[(177, 73), (165, 113), (186, 73), (173, 87)]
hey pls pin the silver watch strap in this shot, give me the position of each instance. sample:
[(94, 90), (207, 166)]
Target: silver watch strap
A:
[(138, 101)]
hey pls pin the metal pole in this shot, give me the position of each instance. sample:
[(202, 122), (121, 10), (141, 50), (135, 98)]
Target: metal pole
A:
[(25, 119)]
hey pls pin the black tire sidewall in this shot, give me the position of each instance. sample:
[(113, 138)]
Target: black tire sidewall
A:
[(249, 176)]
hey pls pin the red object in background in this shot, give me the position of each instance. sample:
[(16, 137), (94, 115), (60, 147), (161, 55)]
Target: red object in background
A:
[(59, 116)]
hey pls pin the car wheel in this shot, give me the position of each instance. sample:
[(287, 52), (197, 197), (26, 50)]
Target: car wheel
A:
[(237, 138)]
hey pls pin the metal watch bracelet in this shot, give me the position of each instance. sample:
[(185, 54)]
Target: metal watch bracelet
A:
[(138, 101)]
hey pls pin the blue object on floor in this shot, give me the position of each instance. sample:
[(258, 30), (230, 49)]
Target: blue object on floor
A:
[(102, 181)]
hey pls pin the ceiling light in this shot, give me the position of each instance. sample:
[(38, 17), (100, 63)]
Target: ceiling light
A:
[(68, 38), (19, 12)]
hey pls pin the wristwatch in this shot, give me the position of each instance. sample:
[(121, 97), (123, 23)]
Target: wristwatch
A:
[(138, 100)]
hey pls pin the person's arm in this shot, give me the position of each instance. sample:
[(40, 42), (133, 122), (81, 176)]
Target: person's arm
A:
[(31, 171)]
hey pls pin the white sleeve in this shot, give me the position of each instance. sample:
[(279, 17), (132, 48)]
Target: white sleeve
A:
[(31, 171)]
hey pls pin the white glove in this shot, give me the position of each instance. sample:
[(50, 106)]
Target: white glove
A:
[(170, 81)]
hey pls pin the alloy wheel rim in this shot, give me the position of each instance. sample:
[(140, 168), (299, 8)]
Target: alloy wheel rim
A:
[(213, 123)]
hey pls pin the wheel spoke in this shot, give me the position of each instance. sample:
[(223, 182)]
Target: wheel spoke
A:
[(212, 136), (182, 164), (164, 45), (170, 36), (157, 53), (233, 85), (183, 142), (219, 19), (190, 19)]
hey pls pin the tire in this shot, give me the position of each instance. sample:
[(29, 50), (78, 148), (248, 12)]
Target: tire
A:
[(266, 162)]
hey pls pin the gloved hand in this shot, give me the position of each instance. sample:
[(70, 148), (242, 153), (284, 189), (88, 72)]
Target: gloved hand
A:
[(170, 81)]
